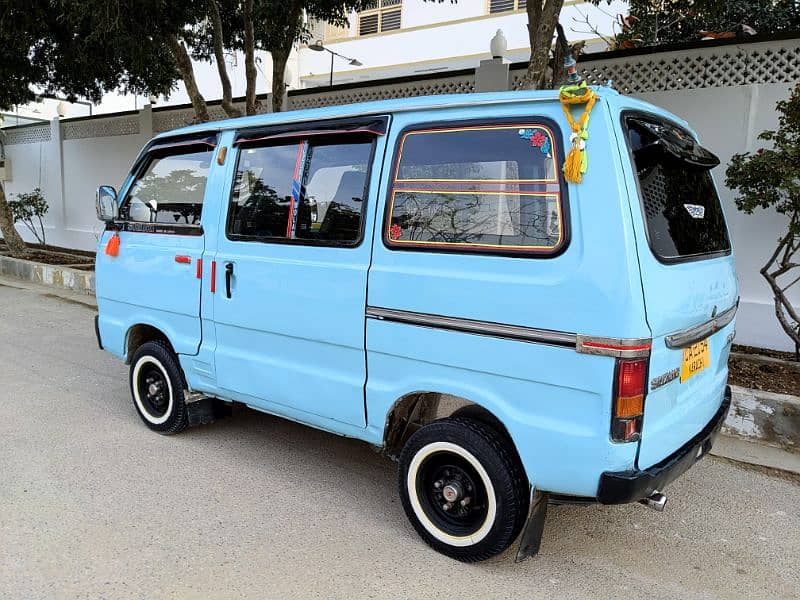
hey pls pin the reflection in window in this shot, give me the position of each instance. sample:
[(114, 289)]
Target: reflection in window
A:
[(307, 190), (503, 220), (333, 199), (508, 152), (682, 209), (262, 193), (483, 188), (171, 190)]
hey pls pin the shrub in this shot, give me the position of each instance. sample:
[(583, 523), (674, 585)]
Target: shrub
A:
[(770, 178), (29, 209)]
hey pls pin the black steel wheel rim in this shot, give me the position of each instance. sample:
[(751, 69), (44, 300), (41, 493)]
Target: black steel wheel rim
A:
[(459, 514), (153, 390)]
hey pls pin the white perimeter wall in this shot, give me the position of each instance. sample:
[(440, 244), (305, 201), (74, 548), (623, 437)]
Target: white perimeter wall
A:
[(70, 165)]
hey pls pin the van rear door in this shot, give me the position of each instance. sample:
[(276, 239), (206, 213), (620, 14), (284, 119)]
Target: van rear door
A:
[(688, 279)]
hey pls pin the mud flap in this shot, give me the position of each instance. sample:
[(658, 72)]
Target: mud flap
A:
[(204, 410), (531, 538)]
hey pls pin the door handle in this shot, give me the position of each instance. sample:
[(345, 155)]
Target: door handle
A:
[(228, 276)]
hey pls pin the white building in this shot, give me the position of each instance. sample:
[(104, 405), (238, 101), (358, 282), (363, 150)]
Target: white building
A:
[(412, 37), (395, 38)]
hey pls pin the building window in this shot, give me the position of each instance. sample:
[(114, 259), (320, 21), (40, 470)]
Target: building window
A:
[(498, 6), (485, 188), (380, 16)]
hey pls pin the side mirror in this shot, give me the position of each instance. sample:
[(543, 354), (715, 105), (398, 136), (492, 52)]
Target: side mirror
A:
[(106, 203)]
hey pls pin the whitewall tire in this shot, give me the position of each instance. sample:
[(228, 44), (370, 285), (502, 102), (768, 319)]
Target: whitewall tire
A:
[(462, 488), (157, 388)]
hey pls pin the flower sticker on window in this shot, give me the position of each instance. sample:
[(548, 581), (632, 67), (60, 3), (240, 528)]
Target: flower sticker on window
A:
[(538, 138), (395, 232)]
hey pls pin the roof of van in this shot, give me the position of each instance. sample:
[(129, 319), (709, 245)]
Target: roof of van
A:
[(417, 103)]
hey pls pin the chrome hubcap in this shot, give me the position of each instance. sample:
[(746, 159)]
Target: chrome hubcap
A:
[(452, 492)]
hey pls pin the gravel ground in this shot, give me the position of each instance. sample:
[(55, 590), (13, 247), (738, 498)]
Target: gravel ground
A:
[(92, 504)]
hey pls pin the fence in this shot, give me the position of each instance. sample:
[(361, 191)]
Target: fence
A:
[(726, 90)]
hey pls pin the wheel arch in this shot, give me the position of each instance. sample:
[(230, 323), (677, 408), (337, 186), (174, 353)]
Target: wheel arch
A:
[(142, 333), (416, 409)]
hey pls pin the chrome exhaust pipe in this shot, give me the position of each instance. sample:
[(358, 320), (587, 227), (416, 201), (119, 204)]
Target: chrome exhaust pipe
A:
[(656, 501)]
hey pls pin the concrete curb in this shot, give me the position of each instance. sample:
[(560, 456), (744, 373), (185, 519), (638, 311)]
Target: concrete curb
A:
[(50, 275), (766, 360), (743, 451), (764, 417)]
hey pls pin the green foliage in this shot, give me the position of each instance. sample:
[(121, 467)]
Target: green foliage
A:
[(655, 22), (84, 48), (770, 178), (29, 209)]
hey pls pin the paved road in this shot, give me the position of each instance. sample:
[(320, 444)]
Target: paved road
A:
[(92, 504)]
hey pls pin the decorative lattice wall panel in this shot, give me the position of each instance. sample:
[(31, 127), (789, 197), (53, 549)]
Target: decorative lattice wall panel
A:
[(429, 87), (166, 120), (172, 119), (27, 135), (768, 62), (91, 128)]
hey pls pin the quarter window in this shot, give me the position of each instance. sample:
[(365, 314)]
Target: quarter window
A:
[(492, 188), (309, 191), (170, 190)]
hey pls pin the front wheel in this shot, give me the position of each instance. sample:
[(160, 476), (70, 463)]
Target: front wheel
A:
[(463, 488), (157, 388)]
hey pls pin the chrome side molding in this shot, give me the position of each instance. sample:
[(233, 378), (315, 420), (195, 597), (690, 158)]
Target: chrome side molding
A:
[(692, 335), (514, 332), (603, 346)]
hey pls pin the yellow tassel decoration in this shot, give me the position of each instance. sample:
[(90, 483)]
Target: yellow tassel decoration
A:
[(576, 163)]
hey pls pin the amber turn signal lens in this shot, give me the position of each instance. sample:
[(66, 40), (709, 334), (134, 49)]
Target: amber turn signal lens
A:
[(629, 406)]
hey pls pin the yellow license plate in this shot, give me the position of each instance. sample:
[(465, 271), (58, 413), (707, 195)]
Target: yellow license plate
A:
[(695, 358)]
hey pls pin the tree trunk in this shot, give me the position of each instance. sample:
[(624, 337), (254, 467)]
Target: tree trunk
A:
[(279, 58), (219, 58), (13, 241), (184, 63), (787, 315), (542, 19), (251, 102)]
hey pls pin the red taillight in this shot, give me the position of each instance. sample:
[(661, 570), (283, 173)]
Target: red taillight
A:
[(626, 421)]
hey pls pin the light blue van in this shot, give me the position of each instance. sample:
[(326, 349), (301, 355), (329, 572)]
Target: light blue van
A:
[(417, 274)]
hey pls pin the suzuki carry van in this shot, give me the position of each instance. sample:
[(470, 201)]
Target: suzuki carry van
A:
[(417, 274)]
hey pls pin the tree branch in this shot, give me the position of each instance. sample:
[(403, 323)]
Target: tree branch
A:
[(184, 64), (219, 58), (251, 102)]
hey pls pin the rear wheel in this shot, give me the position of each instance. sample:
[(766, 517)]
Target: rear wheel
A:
[(157, 388), (462, 488)]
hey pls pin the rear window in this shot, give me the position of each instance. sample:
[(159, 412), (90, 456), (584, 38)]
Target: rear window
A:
[(680, 204), (490, 188)]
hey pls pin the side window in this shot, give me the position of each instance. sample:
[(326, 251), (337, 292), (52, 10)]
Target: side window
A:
[(333, 201), (262, 191), (170, 190), (481, 188), (305, 191)]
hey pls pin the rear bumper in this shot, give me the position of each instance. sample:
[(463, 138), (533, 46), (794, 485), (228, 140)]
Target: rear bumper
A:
[(620, 487)]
